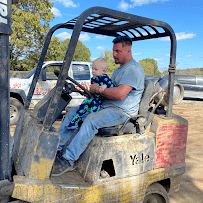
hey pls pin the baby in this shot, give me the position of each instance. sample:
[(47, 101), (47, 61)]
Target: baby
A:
[(99, 68)]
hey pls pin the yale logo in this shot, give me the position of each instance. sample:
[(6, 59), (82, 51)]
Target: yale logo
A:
[(3, 11), (140, 159)]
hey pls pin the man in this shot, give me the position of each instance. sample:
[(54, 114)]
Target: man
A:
[(120, 103)]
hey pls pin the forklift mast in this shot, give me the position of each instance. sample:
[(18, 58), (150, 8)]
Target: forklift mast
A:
[(5, 32)]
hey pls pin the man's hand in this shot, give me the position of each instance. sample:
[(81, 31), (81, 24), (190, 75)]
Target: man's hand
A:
[(101, 88), (93, 88), (96, 89)]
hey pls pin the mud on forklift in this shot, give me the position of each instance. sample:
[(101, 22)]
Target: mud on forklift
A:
[(141, 161)]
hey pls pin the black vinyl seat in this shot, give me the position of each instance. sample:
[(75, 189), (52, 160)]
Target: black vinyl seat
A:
[(135, 124)]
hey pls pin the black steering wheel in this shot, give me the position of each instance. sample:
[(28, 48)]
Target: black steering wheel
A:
[(85, 92)]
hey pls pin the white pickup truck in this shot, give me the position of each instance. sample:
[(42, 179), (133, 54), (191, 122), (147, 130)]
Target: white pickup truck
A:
[(19, 87)]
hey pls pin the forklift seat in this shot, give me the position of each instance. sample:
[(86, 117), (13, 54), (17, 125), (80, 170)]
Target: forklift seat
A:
[(135, 124)]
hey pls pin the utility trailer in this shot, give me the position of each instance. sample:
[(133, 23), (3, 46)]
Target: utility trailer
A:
[(141, 161)]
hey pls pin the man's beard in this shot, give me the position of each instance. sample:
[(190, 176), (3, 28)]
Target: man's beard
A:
[(116, 62)]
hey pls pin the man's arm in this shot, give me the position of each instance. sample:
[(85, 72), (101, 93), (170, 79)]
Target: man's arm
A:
[(117, 93)]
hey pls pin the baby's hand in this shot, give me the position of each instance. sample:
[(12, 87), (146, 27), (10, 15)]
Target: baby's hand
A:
[(102, 88)]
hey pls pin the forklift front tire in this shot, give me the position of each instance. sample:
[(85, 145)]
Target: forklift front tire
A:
[(156, 193), (15, 108)]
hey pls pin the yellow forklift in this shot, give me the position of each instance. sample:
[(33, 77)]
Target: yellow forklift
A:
[(140, 161)]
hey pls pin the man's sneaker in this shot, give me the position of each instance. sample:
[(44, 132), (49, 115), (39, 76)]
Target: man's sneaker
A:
[(61, 166)]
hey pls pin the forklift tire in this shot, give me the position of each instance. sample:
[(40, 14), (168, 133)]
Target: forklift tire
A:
[(156, 193), (15, 108)]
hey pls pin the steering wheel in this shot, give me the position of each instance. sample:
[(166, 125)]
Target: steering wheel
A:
[(85, 92)]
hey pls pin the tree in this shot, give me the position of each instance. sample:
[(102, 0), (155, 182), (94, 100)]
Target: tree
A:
[(54, 52), (150, 66), (57, 51), (30, 24), (108, 55), (82, 53)]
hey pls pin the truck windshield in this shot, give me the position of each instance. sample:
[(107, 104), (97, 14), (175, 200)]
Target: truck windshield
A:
[(81, 71), (30, 73)]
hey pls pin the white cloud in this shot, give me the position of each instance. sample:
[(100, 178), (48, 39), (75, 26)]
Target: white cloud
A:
[(180, 36), (142, 2), (189, 56), (66, 35), (92, 59), (183, 35), (123, 5), (63, 36), (100, 37), (68, 3), (167, 55), (158, 59), (84, 37), (102, 48), (56, 12), (137, 54), (164, 39)]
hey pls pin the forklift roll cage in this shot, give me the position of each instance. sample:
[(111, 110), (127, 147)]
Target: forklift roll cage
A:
[(108, 22)]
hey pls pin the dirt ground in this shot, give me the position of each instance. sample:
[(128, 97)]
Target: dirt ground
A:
[(191, 188)]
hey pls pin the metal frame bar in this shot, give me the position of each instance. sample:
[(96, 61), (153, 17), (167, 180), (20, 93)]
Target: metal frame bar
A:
[(5, 31)]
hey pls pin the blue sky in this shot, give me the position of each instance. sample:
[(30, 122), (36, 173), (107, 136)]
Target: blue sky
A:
[(184, 16)]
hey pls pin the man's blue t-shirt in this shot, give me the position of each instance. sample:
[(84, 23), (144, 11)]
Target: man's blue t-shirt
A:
[(131, 74)]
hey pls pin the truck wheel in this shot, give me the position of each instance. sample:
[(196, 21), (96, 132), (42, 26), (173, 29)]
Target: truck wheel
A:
[(15, 108), (156, 193)]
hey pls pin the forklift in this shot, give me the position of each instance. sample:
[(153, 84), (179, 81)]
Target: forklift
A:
[(141, 161)]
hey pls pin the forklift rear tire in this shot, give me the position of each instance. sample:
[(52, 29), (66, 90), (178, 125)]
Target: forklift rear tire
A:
[(15, 108), (156, 193)]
